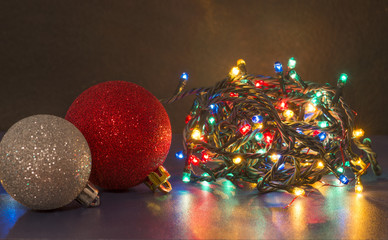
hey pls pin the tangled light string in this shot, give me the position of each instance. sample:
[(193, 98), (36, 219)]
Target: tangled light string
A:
[(281, 133)]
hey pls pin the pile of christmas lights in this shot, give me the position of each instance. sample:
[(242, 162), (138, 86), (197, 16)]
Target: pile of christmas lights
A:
[(281, 133)]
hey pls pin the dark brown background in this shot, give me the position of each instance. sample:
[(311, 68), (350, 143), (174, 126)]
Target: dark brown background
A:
[(50, 51)]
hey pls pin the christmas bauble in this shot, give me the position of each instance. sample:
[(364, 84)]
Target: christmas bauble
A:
[(45, 162), (128, 131)]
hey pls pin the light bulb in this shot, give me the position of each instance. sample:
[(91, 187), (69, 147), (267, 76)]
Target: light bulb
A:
[(288, 114), (237, 160), (268, 138), (342, 79), (298, 191), (205, 157), (320, 164), (291, 63), (257, 126), (281, 167), (310, 108), (240, 61), (242, 66), (283, 105), (214, 108), (234, 72), (358, 133), (194, 160), (188, 118), (278, 67), (322, 136), (343, 179), (179, 155), (358, 187), (323, 124), (184, 76), (259, 83), (186, 177), (293, 74), (245, 128), (257, 119), (196, 134), (275, 157), (259, 136)]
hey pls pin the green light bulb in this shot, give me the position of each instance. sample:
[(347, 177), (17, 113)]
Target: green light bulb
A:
[(261, 151), (186, 177), (205, 174), (323, 124), (340, 169), (291, 63), (293, 74), (318, 94), (259, 136), (315, 101), (343, 79), (212, 120), (244, 81)]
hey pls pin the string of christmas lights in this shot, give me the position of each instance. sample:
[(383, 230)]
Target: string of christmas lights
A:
[(281, 133)]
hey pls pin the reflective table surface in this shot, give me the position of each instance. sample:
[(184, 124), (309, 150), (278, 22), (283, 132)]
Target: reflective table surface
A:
[(211, 211)]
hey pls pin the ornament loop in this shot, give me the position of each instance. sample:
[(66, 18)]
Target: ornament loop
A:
[(89, 196), (159, 180)]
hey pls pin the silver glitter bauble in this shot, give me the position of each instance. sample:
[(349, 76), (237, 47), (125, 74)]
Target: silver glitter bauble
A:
[(45, 162)]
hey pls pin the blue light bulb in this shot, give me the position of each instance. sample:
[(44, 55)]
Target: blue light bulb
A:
[(278, 67), (322, 136), (179, 155), (343, 179), (281, 167), (184, 76), (214, 108), (257, 119)]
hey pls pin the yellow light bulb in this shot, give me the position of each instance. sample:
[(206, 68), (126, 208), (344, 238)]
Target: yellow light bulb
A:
[(196, 134), (320, 164), (275, 157), (237, 160), (305, 164), (257, 126), (234, 72), (298, 191), (288, 114), (310, 108), (240, 61), (358, 133), (358, 188)]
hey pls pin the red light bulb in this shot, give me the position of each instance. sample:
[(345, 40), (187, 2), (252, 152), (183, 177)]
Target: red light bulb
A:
[(205, 157), (188, 118), (259, 83), (194, 160), (283, 105), (268, 138), (232, 94), (244, 129)]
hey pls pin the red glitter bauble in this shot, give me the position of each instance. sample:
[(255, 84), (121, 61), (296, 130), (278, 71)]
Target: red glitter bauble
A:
[(128, 131)]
